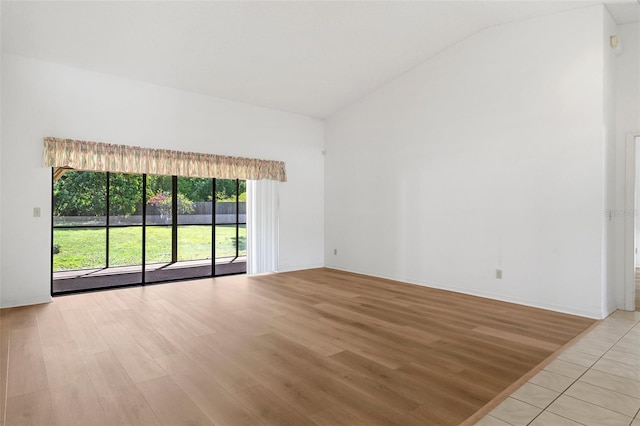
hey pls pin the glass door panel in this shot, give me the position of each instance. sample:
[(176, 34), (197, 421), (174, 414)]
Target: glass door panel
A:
[(159, 229), (125, 254), (194, 251), (125, 246), (225, 241), (194, 242), (79, 249), (159, 200), (125, 227), (79, 199), (242, 242), (125, 199), (79, 219), (195, 201), (158, 251), (194, 231), (230, 214)]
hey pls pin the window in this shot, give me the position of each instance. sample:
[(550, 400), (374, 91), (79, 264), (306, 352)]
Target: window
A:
[(115, 229)]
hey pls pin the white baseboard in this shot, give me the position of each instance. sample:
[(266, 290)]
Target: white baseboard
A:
[(25, 302), (291, 268), (516, 300)]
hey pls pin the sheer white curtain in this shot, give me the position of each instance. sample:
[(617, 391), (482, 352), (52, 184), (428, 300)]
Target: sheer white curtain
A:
[(262, 226)]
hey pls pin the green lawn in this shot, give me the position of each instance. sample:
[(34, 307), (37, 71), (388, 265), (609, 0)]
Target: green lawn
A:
[(85, 248)]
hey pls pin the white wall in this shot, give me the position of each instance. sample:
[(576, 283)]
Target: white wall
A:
[(44, 99), (609, 107), (490, 155), (628, 109), (1, 235), (628, 125)]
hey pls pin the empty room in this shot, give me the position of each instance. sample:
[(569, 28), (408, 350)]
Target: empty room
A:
[(319, 213)]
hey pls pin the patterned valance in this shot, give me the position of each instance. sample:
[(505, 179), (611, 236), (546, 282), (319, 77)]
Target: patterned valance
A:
[(103, 157)]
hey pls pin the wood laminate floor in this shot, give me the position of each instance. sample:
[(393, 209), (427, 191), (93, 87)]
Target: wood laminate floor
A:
[(637, 289), (316, 347)]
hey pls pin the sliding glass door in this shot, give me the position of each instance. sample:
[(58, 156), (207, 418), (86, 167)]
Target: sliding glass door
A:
[(180, 228), (121, 229), (231, 225)]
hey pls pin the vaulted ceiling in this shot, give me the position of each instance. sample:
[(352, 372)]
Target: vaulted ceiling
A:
[(310, 58)]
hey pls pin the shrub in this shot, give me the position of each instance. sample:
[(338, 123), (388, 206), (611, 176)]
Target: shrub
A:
[(163, 202)]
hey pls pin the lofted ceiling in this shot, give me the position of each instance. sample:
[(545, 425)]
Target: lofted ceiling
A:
[(310, 58)]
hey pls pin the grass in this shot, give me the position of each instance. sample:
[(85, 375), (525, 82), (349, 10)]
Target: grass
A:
[(85, 248)]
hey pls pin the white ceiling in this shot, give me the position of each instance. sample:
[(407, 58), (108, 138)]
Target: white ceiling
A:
[(311, 58)]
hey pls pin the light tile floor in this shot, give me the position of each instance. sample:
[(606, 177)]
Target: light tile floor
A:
[(594, 382)]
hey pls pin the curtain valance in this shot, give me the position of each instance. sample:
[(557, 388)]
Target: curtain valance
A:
[(104, 157)]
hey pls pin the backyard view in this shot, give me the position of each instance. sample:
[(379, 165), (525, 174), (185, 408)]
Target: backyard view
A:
[(85, 248), (98, 220)]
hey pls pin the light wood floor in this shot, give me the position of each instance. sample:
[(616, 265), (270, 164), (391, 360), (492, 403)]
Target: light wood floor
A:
[(311, 347), (637, 289)]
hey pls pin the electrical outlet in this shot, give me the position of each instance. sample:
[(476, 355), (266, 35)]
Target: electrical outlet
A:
[(36, 212), (499, 274), (335, 252)]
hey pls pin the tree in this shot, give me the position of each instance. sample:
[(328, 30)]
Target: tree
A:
[(158, 184), (80, 194), (125, 193), (84, 194), (195, 189), (226, 189)]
